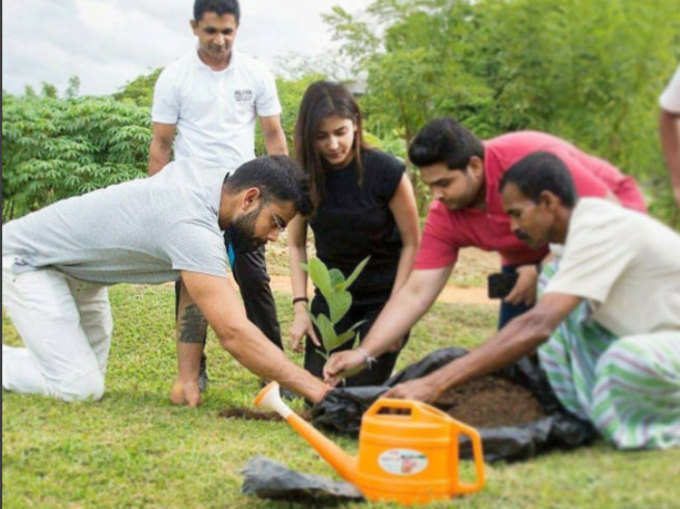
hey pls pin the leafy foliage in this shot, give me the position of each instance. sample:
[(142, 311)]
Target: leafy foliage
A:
[(290, 95), (54, 148), (140, 90), (333, 286)]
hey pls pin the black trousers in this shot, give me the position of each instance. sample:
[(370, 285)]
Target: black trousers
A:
[(250, 273), (362, 309)]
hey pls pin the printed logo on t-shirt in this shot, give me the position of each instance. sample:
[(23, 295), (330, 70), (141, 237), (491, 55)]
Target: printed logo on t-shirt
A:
[(244, 95)]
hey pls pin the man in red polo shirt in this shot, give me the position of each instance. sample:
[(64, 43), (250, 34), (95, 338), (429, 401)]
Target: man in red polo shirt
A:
[(463, 174)]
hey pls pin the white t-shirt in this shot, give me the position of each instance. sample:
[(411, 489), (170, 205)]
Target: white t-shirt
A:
[(141, 231), (626, 264), (215, 111), (670, 99)]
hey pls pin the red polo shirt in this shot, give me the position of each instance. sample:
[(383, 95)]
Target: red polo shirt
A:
[(447, 231)]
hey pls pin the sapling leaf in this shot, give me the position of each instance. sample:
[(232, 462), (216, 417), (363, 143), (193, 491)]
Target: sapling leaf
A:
[(355, 274), (328, 336), (318, 272), (338, 305), (336, 278), (349, 333), (333, 287)]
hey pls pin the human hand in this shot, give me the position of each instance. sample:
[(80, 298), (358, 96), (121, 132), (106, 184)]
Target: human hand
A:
[(341, 364), (186, 393), (302, 326), (676, 191), (524, 291), (418, 389)]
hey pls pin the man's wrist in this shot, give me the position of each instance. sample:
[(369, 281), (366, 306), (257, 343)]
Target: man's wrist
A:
[(438, 383), (369, 360)]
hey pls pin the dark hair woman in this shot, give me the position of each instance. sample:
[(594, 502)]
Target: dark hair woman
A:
[(363, 205)]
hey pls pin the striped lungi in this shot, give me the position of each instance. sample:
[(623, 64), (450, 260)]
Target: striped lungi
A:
[(628, 387)]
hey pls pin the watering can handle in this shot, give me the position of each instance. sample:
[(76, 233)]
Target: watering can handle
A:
[(403, 404), (478, 458)]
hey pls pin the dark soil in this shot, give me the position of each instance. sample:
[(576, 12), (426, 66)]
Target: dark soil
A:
[(256, 415), (491, 402)]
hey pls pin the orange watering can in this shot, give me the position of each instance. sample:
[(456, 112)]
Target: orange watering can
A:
[(408, 450)]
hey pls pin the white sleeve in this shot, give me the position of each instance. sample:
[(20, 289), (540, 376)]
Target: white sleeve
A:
[(670, 99), (267, 99), (600, 245), (166, 105)]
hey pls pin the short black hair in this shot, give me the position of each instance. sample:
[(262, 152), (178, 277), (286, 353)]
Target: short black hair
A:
[(277, 177), (542, 171), (444, 140), (218, 6)]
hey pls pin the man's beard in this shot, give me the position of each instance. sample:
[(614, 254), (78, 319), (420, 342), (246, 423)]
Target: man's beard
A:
[(243, 230)]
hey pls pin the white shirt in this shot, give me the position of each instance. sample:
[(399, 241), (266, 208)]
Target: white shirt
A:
[(626, 264), (670, 98), (215, 111)]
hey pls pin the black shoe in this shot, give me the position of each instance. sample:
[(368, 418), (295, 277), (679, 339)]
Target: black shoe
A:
[(202, 376)]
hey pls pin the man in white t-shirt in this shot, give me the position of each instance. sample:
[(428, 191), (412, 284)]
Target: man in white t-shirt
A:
[(57, 263), (607, 323), (211, 98), (669, 130)]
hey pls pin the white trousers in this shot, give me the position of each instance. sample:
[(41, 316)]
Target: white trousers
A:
[(66, 326)]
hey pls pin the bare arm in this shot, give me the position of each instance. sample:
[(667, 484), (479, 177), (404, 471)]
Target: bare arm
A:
[(519, 337), (403, 207), (161, 147), (402, 310), (297, 250), (274, 137), (669, 131), (225, 313)]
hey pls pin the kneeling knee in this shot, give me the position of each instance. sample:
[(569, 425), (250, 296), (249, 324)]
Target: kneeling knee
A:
[(86, 386)]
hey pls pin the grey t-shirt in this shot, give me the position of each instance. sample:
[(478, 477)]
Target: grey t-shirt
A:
[(141, 231)]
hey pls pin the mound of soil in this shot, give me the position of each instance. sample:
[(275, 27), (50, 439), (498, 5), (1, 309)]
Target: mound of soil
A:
[(491, 402), (256, 415)]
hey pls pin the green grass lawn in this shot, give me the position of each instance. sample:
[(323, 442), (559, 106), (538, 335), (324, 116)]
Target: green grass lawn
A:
[(134, 449)]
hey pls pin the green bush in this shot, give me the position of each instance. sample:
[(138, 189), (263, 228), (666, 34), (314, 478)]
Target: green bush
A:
[(55, 148)]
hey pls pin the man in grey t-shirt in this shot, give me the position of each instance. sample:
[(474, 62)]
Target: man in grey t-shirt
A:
[(57, 262)]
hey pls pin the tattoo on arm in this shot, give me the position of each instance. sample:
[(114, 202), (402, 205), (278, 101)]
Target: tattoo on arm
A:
[(191, 326)]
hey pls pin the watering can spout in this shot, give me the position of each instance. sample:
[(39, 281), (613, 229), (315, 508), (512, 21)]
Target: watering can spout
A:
[(346, 465)]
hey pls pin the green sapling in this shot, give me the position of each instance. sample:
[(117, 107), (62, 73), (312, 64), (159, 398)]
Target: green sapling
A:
[(333, 286)]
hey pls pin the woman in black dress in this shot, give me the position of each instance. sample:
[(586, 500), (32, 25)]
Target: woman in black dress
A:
[(364, 205)]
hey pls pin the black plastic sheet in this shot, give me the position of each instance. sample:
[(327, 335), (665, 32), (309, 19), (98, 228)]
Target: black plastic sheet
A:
[(342, 408), (268, 479)]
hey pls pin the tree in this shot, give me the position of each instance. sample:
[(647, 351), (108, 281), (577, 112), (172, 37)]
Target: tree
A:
[(290, 96), (140, 90), (49, 90), (73, 87)]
